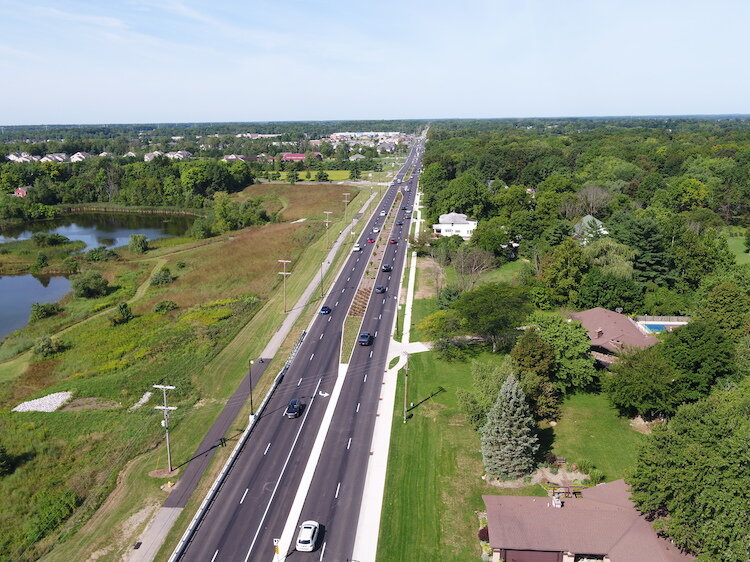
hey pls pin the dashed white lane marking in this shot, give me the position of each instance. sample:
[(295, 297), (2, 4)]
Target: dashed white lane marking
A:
[(311, 356), (365, 379), (214, 556), (349, 444), (338, 486), (268, 446), (321, 337), (348, 278), (380, 316), (357, 407), (344, 289), (383, 301), (371, 354), (329, 318), (243, 496), (376, 333), (299, 382)]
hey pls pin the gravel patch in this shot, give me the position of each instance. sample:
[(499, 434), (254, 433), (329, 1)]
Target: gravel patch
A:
[(145, 398), (48, 403)]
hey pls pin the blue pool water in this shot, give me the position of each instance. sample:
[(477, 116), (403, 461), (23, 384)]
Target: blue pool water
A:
[(656, 327)]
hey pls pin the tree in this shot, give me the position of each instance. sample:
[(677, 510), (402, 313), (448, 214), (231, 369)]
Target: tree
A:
[(562, 270), (574, 365), (691, 476), (643, 383), (292, 176), (609, 291), (442, 327), (44, 310), (41, 261), (509, 441), (726, 305), (643, 233), (592, 199), (465, 194), (487, 378), (162, 277), (535, 360), (611, 257), (493, 311), (470, 263), (747, 240), (321, 176), (492, 236), (89, 284), (138, 243)]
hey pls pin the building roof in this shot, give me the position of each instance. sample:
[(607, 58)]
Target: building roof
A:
[(604, 522), (613, 331), (454, 218), (589, 222)]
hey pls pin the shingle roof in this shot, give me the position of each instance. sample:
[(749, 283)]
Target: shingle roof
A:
[(604, 521), (612, 331)]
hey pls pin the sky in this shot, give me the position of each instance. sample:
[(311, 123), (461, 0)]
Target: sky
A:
[(146, 61)]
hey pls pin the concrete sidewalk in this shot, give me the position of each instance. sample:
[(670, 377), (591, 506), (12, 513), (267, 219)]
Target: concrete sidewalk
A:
[(156, 531)]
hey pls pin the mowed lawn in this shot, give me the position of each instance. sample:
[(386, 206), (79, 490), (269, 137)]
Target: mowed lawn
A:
[(589, 428), (333, 175), (434, 486), (300, 201), (737, 245)]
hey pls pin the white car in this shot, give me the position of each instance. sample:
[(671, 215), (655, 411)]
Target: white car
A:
[(376, 230), (382, 213), (308, 536), (357, 248)]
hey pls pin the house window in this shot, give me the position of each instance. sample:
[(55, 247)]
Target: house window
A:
[(589, 557)]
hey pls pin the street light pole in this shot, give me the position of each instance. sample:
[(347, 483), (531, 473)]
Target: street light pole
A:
[(284, 274), (165, 422), (406, 385), (321, 279), (346, 203), (250, 376), (328, 222)]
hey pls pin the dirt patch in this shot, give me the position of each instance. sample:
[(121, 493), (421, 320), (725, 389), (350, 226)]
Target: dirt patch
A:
[(431, 278), (430, 409), (39, 374), (90, 404), (542, 475), (640, 425), (164, 473)]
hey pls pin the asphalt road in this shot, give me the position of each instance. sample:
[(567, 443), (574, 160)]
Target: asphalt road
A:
[(254, 501)]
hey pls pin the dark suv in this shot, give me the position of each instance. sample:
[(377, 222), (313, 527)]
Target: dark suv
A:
[(365, 338), (294, 409), (387, 267)]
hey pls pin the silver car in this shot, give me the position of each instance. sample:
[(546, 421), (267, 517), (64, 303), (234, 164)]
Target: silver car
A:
[(308, 536)]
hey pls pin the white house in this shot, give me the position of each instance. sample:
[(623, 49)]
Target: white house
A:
[(454, 224), (151, 155), (78, 156), (130, 154), (179, 155), (56, 157)]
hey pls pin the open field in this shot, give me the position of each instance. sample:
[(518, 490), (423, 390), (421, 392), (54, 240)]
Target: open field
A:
[(333, 175), (589, 428), (79, 454), (736, 240), (295, 202), (434, 485)]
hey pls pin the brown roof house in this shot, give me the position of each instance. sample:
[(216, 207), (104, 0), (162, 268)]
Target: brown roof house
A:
[(602, 525), (611, 332)]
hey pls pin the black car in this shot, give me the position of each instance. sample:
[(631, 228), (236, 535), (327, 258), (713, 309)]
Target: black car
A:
[(294, 408), (379, 289), (325, 310), (365, 338), (400, 223), (387, 267)]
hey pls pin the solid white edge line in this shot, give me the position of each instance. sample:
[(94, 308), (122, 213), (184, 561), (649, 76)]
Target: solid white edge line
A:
[(283, 469)]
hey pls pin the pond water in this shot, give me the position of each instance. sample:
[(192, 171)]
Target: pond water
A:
[(19, 292), (103, 229)]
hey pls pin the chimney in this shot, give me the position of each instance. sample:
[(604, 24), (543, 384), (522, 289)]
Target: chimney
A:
[(599, 332)]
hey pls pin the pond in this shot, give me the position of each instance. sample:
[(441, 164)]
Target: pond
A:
[(103, 229), (19, 292)]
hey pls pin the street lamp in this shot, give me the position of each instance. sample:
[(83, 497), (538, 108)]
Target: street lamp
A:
[(346, 203), (284, 274), (328, 222)]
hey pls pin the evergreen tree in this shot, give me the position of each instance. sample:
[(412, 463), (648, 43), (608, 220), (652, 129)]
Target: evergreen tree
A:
[(509, 441)]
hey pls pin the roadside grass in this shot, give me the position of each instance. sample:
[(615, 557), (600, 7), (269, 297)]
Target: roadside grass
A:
[(433, 485), (506, 273), (421, 308), (589, 428), (300, 201), (736, 241)]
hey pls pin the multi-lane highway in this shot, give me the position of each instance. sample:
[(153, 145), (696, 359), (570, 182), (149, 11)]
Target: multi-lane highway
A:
[(254, 503)]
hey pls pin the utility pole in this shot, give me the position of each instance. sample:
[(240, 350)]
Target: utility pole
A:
[(250, 376), (165, 422), (284, 273), (346, 203), (328, 222), (406, 385), (321, 279)]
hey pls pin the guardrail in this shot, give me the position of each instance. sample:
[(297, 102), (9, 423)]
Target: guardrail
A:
[(211, 495)]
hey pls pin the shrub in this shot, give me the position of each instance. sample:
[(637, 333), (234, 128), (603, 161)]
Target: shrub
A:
[(585, 466), (181, 265), (70, 264), (46, 346), (41, 261), (596, 476), (44, 310), (201, 229), (138, 243), (89, 284), (484, 534), (43, 239), (554, 470), (162, 307), (102, 253), (162, 277), (122, 315)]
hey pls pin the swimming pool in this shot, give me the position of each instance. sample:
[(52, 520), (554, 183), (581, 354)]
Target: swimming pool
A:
[(655, 327)]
